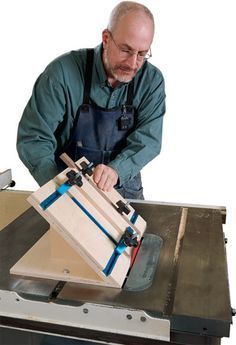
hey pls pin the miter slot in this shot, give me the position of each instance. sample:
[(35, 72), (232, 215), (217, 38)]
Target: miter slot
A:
[(58, 288), (175, 267)]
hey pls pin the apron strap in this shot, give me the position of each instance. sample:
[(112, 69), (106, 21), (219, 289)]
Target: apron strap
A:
[(88, 75), (130, 95)]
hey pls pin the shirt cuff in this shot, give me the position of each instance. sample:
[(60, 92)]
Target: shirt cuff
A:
[(123, 174)]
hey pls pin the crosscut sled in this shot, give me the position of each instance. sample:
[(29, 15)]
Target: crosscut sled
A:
[(93, 235)]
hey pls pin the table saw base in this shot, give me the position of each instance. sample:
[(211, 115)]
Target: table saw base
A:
[(185, 295), (30, 336)]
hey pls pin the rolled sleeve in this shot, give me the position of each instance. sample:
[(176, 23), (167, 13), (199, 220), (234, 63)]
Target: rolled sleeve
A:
[(36, 142)]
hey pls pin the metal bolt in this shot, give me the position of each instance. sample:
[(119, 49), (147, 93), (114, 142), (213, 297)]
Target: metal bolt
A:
[(129, 317), (85, 311), (66, 271), (143, 318)]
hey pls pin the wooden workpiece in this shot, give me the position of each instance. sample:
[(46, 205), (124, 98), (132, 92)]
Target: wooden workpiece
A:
[(85, 233)]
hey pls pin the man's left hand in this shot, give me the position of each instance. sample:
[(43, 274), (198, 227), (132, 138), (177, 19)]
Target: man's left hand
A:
[(105, 177)]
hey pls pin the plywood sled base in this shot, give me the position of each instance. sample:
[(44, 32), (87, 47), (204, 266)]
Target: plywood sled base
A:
[(53, 258), (93, 233)]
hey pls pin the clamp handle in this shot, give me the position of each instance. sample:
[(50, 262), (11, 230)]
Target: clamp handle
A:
[(123, 207), (87, 168), (130, 238), (74, 178)]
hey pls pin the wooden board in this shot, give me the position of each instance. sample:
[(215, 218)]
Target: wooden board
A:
[(45, 260), (87, 220)]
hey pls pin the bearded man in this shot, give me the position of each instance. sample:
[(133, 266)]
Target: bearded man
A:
[(106, 104)]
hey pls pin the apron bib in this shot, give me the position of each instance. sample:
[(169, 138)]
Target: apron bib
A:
[(100, 134)]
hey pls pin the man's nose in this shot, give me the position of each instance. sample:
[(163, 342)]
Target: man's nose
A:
[(133, 60)]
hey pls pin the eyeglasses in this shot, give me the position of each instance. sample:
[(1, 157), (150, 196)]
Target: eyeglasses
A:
[(126, 52)]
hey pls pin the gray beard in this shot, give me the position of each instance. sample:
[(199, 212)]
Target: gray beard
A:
[(112, 71)]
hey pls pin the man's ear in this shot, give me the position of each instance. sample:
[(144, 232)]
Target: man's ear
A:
[(105, 35)]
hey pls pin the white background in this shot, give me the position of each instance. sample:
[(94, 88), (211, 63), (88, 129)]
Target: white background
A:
[(195, 49)]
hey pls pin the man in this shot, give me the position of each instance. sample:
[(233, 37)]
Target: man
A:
[(106, 104)]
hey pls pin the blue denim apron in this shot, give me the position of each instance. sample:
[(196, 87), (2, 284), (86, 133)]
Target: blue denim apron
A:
[(100, 134)]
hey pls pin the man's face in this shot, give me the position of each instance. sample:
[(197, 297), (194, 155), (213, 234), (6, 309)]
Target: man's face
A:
[(126, 47), (119, 69)]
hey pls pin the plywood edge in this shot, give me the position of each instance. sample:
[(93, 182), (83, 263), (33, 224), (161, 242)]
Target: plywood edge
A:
[(39, 263)]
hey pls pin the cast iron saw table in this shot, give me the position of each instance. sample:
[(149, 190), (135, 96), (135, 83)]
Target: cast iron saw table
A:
[(189, 293)]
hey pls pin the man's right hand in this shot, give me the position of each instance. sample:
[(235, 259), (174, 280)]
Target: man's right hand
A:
[(105, 177)]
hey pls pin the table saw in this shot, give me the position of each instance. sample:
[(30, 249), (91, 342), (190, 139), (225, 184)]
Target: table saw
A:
[(182, 299)]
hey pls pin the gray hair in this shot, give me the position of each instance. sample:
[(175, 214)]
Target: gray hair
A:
[(124, 8)]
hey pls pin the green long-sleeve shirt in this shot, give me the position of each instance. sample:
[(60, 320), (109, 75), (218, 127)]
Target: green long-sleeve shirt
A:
[(47, 120)]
